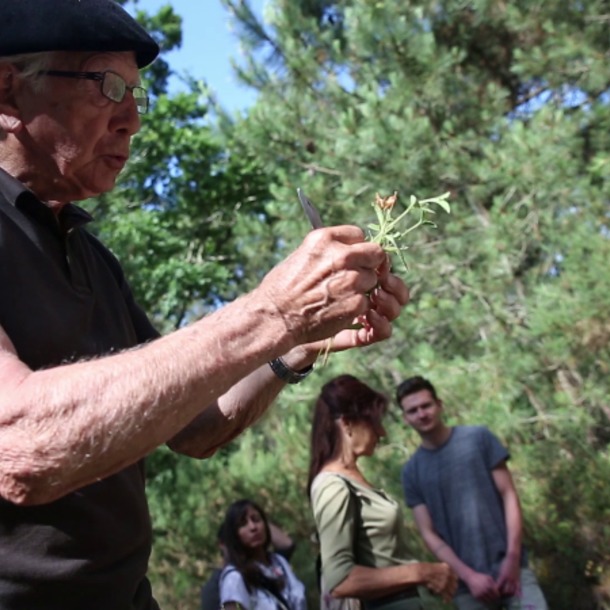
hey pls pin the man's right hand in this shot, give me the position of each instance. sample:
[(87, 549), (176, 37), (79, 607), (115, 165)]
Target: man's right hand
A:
[(324, 285), (482, 587)]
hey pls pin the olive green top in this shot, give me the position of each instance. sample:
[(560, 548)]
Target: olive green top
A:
[(356, 525)]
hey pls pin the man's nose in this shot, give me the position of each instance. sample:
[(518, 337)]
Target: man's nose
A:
[(126, 119)]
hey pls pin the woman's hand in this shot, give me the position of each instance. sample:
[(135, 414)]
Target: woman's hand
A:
[(440, 579)]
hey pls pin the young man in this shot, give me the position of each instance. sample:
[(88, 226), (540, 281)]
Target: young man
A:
[(466, 506)]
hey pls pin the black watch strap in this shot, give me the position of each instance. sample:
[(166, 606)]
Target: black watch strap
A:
[(286, 374)]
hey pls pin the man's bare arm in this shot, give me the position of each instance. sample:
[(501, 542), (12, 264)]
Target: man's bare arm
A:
[(244, 403), (438, 547), (509, 579), (481, 586), (68, 426), (249, 399)]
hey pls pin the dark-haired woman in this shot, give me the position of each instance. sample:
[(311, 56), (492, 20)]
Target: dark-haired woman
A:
[(360, 528), (255, 578)]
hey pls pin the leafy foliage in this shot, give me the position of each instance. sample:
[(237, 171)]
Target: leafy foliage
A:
[(177, 218), (504, 105), (391, 232), (507, 106)]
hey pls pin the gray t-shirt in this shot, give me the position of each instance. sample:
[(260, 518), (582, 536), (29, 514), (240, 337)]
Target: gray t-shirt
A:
[(455, 483)]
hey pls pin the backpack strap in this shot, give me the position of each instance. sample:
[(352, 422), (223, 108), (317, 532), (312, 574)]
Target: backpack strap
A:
[(282, 563), (223, 574)]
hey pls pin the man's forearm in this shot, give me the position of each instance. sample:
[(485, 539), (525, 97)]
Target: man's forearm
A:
[(65, 427), (68, 426), (514, 528), (512, 510), (237, 409)]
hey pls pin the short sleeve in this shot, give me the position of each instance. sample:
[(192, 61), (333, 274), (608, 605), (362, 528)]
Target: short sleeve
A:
[(410, 487), (233, 588), (335, 512), (494, 451)]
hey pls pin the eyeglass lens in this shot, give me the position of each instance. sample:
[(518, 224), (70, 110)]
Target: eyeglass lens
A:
[(114, 88)]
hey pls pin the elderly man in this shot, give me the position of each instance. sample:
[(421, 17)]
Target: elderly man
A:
[(87, 388)]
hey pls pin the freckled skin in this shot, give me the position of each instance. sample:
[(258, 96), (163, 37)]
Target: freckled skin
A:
[(75, 141)]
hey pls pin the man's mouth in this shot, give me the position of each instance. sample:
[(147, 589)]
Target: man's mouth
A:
[(116, 161)]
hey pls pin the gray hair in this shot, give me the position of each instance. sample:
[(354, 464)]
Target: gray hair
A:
[(30, 64)]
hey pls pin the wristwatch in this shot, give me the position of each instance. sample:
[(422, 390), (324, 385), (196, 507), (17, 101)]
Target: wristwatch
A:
[(287, 374)]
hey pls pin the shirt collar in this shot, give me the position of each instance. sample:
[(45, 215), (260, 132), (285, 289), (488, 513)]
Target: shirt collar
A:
[(70, 217)]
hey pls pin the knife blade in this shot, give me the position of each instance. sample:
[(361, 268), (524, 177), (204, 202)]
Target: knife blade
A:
[(310, 210)]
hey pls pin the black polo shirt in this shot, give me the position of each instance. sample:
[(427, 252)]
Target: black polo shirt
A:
[(63, 297)]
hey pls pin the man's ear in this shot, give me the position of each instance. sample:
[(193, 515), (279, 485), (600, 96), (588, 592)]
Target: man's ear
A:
[(10, 120)]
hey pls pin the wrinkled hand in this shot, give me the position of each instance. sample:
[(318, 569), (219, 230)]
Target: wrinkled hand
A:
[(509, 578), (386, 302), (441, 580), (483, 587), (324, 286)]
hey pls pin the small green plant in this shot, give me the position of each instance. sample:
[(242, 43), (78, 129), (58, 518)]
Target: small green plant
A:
[(390, 232)]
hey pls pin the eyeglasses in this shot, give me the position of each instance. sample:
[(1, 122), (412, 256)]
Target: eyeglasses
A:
[(112, 86)]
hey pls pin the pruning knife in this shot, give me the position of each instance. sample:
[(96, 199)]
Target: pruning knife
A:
[(312, 214)]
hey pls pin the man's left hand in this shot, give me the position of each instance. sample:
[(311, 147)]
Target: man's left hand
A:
[(509, 578)]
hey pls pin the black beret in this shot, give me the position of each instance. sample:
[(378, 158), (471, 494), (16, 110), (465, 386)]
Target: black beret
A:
[(32, 26)]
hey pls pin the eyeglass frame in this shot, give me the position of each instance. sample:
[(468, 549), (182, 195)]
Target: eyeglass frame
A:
[(101, 77)]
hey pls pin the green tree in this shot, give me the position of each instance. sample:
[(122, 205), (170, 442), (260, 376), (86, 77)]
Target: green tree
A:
[(179, 214), (506, 105)]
